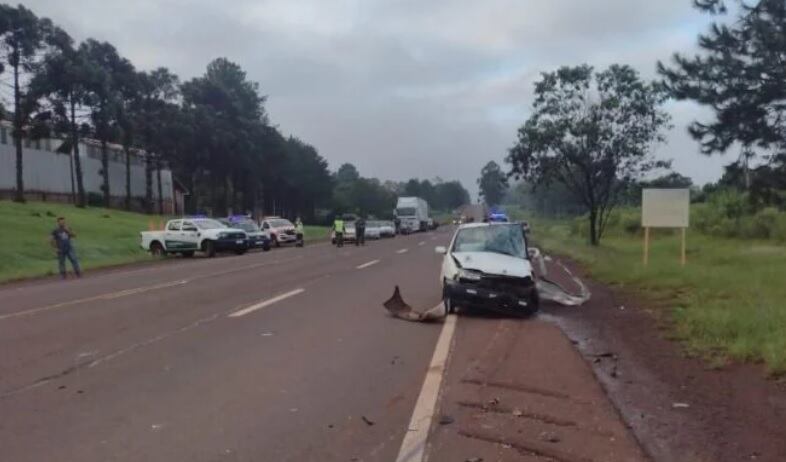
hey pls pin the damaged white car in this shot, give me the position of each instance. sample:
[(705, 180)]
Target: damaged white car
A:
[(487, 266)]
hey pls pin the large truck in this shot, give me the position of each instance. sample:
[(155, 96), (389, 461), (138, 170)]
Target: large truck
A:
[(412, 214)]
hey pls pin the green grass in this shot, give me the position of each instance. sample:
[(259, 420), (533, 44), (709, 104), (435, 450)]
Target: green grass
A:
[(104, 237), (316, 233), (728, 302)]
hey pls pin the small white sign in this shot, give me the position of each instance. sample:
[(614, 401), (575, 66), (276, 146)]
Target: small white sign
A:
[(665, 208)]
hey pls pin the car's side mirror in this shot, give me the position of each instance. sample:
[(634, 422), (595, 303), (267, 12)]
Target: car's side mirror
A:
[(441, 250)]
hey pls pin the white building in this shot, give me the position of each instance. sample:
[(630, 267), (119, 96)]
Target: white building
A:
[(49, 175)]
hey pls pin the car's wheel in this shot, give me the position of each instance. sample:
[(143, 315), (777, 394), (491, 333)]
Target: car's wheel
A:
[(157, 250), (266, 247), (187, 254), (210, 248), (240, 251), (450, 307)]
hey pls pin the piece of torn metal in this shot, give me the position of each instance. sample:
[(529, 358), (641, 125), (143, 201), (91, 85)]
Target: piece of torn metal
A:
[(550, 290), (398, 308)]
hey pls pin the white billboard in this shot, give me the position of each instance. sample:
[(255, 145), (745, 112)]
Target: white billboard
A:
[(665, 208)]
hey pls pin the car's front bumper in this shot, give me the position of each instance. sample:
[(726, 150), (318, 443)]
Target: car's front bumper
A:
[(258, 243), (223, 245), (521, 301), (283, 238)]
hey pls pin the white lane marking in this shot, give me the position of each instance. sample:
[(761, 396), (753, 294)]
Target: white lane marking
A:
[(139, 290), (402, 251), (109, 296), (366, 265), (265, 303), (422, 243), (413, 448)]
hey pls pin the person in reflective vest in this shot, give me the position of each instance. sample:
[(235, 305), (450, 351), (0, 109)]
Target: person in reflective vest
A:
[(338, 228)]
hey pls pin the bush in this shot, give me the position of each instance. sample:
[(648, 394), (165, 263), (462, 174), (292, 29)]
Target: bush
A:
[(779, 228)]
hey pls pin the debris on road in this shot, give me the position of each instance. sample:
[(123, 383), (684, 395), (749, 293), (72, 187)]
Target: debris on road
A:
[(398, 308), (446, 420), (550, 437), (550, 290), (367, 421)]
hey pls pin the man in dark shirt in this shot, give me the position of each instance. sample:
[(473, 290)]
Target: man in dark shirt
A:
[(61, 242), (360, 231)]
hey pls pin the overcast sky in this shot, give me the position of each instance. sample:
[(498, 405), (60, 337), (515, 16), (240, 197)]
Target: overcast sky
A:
[(401, 88)]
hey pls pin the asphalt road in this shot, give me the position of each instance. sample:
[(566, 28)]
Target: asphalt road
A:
[(285, 355)]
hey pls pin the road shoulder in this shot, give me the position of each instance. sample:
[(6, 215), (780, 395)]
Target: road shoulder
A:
[(519, 390)]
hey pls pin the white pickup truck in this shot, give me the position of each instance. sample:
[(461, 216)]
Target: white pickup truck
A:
[(188, 235)]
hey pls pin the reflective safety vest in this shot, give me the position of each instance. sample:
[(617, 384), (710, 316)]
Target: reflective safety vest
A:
[(338, 225), (299, 227)]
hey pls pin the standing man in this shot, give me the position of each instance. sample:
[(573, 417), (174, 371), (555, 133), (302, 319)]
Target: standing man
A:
[(338, 228), (360, 231), (61, 242)]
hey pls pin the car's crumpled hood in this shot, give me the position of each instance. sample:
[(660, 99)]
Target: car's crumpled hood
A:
[(494, 263)]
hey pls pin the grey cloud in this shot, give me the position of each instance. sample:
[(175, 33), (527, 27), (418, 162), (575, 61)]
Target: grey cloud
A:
[(401, 88)]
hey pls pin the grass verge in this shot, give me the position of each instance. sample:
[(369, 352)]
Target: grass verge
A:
[(728, 302), (104, 237), (316, 233)]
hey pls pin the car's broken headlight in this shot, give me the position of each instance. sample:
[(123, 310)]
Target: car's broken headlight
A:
[(470, 275)]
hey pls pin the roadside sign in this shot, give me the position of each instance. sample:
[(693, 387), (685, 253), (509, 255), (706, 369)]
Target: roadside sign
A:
[(665, 208)]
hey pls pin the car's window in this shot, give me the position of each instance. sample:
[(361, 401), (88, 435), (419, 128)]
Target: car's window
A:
[(248, 226), (188, 226), (280, 223), (173, 226), (405, 212), (504, 239), (208, 224)]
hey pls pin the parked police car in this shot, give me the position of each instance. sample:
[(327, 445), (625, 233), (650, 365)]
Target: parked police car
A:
[(257, 237), (185, 236)]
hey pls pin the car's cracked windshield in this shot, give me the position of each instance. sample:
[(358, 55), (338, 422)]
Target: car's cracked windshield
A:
[(503, 239)]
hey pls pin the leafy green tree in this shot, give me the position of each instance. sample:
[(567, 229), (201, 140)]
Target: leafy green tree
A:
[(23, 38), (739, 75), (493, 184), (108, 68), (154, 119), (232, 110), (450, 195), (412, 188), (593, 133), (308, 179), (62, 80)]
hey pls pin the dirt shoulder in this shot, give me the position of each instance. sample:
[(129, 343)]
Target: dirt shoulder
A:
[(519, 390), (680, 408)]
